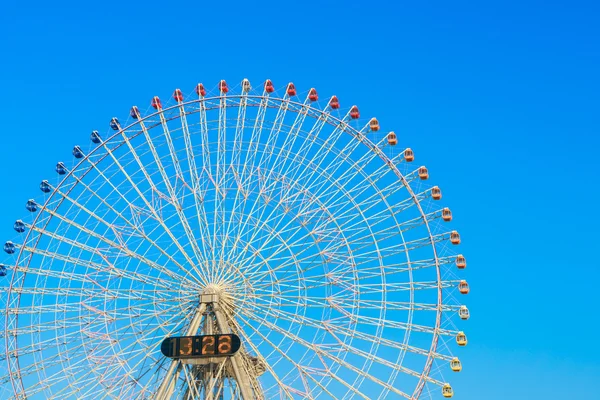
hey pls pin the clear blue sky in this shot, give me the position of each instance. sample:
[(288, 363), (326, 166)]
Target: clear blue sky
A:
[(501, 101)]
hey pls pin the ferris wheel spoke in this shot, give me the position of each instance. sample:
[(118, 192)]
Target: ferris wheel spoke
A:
[(269, 146), (203, 186), (100, 293), (235, 162), (218, 233), (253, 149), (119, 231), (119, 359), (265, 188), (36, 347), (386, 363), (137, 349), (367, 272), (311, 200), (157, 217), (248, 170), (390, 231), (105, 272), (174, 199), (333, 323), (336, 331), (104, 254), (304, 212), (289, 141), (279, 234), (195, 180), (290, 138), (274, 252), (274, 375), (111, 268), (300, 368), (319, 157), (343, 305), (383, 252), (37, 367), (333, 358)]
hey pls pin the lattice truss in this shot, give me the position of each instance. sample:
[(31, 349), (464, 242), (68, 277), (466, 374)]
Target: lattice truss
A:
[(325, 238)]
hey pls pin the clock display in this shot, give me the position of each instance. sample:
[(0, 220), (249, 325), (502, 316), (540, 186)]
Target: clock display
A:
[(200, 346)]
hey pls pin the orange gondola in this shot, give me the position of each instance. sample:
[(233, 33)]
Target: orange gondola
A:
[(392, 139), (447, 214), (374, 124), (454, 237)]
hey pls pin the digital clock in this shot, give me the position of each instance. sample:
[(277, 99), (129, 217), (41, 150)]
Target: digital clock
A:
[(200, 346)]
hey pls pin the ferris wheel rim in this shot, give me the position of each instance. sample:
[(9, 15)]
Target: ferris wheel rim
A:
[(358, 135)]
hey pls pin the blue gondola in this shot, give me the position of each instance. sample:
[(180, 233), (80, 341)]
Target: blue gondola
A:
[(61, 169), (134, 112), (77, 152), (19, 226), (9, 247), (45, 187), (114, 124), (3, 270), (31, 206), (95, 137)]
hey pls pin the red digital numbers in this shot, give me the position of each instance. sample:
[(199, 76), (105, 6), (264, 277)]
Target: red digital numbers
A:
[(200, 346)]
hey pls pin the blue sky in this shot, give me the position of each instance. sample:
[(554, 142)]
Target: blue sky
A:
[(500, 101)]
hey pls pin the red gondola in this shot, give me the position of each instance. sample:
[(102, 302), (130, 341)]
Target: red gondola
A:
[(334, 103), (177, 95), (269, 86), (223, 86), (200, 91), (291, 89), (156, 103)]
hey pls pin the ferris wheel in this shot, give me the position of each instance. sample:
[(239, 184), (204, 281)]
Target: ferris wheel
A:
[(249, 243)]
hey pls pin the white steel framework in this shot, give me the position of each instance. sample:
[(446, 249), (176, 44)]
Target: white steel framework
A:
[(321, 242)]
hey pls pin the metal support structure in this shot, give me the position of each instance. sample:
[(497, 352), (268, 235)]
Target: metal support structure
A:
[(211, 310), (241, 378), (168, 385)]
